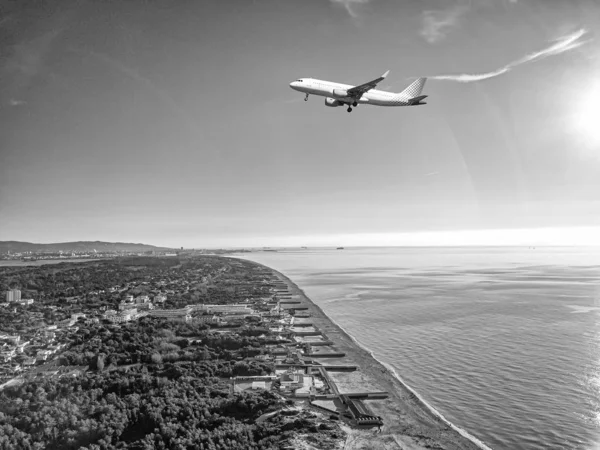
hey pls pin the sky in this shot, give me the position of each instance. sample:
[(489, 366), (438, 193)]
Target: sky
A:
[(173, 123)]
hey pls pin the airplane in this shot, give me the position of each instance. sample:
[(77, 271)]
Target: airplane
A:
[(337, 94)]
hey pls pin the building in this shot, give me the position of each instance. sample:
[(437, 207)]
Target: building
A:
[(240, 384), (6, 354), (42, 355), (160, 298), (207, 318), (122, 316), (291, 379), (126, 305), (25, 301), (142, 299), (108, 315), (360, 413), (172, 314), (14, 295), (144, 306), (229, 309)]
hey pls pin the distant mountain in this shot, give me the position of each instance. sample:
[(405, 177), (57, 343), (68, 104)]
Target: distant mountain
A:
[(81, 246)]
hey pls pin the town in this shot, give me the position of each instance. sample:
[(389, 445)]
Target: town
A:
[(248, 322)]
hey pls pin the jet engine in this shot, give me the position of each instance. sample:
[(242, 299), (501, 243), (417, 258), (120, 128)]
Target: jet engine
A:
[(332, 102), (340, 93)]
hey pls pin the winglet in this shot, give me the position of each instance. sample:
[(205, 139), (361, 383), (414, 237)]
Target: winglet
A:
[(385, 74)]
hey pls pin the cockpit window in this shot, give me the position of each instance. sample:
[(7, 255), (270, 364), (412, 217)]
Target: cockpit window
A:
[(300, 80)]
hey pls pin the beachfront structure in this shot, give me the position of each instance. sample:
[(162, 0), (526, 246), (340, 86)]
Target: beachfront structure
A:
[(301, 384), (360, 413), (14, 295)]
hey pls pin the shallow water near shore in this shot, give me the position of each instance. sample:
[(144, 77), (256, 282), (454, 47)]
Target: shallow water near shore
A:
[(504, 342)]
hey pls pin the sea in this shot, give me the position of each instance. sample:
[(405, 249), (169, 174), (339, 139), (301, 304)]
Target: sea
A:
[(504, 342)]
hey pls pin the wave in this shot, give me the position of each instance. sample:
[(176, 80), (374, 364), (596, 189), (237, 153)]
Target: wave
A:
[(464, 433)]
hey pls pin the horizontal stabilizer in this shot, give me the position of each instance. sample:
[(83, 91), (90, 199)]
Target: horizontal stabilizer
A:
[(417, 100)]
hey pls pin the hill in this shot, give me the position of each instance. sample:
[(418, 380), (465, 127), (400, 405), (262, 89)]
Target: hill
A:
[(80, 246)]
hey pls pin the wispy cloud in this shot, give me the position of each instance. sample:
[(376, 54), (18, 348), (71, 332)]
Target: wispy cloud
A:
[(349, 4), (561, 45), (437, 23)]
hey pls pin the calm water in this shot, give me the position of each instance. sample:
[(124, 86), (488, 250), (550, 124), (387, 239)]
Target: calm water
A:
[(505, 342)]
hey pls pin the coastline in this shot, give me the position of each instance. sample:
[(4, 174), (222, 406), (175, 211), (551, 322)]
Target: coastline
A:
[(42, 262), (409, 421)]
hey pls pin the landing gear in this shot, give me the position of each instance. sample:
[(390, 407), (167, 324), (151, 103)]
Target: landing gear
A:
[(306, 98), (355, 104), (349, 109)]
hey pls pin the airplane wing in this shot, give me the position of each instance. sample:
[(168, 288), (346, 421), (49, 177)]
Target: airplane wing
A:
[(358, 91)]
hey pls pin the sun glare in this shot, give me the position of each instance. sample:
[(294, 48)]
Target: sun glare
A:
[(587, 115)]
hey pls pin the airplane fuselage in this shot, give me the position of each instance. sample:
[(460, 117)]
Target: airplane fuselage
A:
[(336, 91)]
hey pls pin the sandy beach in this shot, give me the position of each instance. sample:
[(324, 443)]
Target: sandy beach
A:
[(408, 423)]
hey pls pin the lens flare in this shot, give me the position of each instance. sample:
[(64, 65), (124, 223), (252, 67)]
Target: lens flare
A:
[(586, 118)]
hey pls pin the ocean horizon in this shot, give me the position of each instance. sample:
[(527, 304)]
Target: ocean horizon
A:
[(503, 341)]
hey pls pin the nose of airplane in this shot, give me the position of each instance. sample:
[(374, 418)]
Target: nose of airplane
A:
[(293, 84)]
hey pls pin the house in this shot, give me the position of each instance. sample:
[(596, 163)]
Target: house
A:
[(42, 355), (7, 354), (142, 299)]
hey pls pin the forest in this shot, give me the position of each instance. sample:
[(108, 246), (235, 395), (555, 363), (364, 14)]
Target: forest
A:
[(150, 383)]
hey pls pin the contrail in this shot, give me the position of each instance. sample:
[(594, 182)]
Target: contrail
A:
[(563, 44)]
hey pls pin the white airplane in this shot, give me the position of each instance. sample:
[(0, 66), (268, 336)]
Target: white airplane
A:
[(338, 94)]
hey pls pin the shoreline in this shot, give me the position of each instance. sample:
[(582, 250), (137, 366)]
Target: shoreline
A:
[(409, 421)]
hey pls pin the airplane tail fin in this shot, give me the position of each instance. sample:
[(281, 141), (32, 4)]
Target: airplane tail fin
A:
[(415, 89)]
